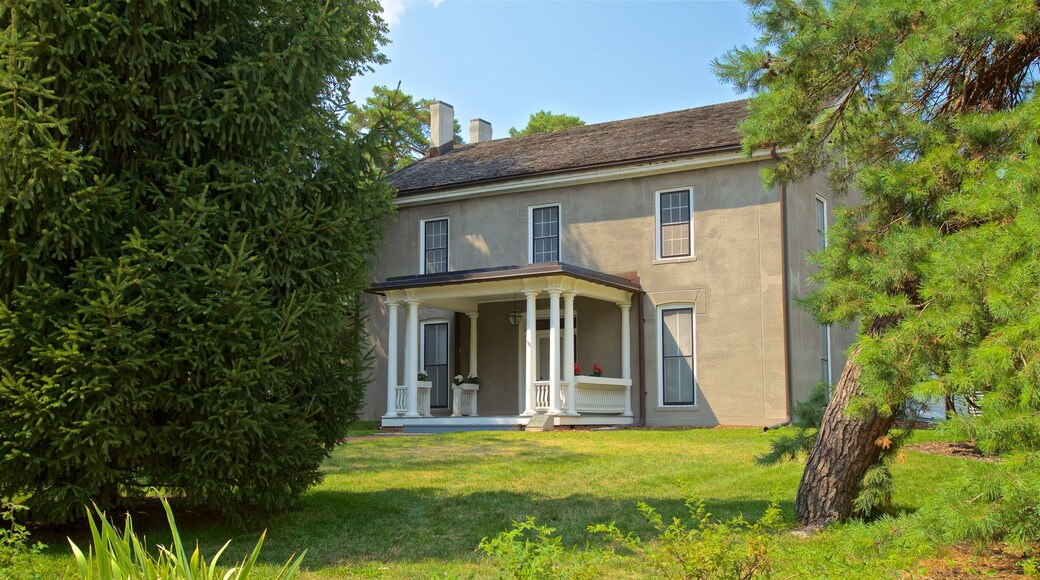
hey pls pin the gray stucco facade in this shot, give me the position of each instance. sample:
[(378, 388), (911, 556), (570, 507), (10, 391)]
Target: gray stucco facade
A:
[(752, 355)]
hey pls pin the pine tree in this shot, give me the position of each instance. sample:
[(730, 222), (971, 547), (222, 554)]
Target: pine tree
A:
[(411, 141), (185, 224), (929, 110)]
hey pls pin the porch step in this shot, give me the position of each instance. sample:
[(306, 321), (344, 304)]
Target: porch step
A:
[(457, 428), (540, 423)]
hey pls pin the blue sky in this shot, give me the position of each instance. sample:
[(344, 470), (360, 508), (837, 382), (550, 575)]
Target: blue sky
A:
[(600, 60)]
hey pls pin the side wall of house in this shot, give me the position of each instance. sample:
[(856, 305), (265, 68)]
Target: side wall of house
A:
[(733, 282), (809, 358)]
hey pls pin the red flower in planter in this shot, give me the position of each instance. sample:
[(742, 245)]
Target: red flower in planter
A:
[(577, 369), (596, 370)]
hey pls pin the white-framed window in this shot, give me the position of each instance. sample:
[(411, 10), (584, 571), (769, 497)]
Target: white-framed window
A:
[(434, 349), (825, 353), (544, 233), (677, 355), (821, 222), (674, 233), (433, 245)]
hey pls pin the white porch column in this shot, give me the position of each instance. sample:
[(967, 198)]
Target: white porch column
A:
[(554, 351), (391, 359), (626, 354), (411, 357), (568, 348), (472, 343), (529, 337)]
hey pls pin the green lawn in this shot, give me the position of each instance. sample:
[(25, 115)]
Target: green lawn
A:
[(417, 506)]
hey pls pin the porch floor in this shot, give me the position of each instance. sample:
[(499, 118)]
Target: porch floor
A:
[(496, 423)]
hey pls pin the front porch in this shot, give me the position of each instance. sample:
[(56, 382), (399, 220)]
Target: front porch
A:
[(548, 380)]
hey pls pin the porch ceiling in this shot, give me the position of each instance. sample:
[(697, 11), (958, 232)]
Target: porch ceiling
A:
[(462, 291)]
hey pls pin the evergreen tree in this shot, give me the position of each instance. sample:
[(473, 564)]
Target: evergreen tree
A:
[(185, 224), (929, 110), (411, 116)]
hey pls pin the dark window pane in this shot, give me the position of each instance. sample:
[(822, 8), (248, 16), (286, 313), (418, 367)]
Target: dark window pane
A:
[(677, 374)]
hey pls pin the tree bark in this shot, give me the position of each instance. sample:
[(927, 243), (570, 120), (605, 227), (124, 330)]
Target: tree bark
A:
[(845, 449)]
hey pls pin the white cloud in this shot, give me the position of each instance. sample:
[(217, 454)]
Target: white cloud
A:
[(393, 9)]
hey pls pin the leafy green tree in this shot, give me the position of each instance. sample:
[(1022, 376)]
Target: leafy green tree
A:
[(546, 122), (185, 224), (410, 116), (928, 110)]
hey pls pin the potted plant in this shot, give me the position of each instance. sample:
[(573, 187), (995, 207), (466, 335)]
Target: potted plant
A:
[(472, 379), (423, 376), (458, 380), (577, 369), (596, 370)]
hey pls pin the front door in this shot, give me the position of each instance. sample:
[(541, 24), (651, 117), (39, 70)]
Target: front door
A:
[(435, 361)]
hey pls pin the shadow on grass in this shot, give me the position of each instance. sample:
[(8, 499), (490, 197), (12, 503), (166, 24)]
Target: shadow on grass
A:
[(393, 526), (414, 525)]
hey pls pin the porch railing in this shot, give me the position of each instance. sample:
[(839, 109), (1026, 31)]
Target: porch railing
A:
[(465, 400), (602, 395), (422, 391), (541, 395)]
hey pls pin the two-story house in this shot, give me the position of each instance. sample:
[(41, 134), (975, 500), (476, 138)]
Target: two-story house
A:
[(645, 251)]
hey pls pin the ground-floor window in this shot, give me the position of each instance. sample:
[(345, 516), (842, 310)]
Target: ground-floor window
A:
[(677, 380), (435, 361)]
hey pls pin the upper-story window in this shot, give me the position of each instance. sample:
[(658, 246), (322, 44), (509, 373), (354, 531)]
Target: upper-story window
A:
[(545, 233), (433, 253), (674, 223), (821, 223)]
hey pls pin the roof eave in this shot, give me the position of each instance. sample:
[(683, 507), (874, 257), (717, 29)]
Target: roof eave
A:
[(586, 167)]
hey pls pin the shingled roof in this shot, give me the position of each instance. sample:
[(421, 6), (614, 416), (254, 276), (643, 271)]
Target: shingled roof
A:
[(663, 136)]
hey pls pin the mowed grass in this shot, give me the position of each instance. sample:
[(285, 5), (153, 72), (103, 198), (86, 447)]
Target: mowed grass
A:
[(418, 506)]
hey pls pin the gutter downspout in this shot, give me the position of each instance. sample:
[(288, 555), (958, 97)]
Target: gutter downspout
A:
[(642, 362), (786, 292)]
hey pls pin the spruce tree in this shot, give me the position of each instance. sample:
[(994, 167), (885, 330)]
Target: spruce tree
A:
[(185, 225), (929, 111)]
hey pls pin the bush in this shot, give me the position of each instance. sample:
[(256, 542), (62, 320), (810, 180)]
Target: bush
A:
[(119, 556), (530, 551), (704, 547), (186, 226), (16, 550)]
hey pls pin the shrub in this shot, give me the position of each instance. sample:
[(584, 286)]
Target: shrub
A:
[(531, 551), (704, 547), (186, 225), (16, 551), (118, 556)]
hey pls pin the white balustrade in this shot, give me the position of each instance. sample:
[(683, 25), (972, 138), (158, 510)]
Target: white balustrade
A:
[(601, 394), (400, 399), (422, 390), (464, 400), (541, 395)]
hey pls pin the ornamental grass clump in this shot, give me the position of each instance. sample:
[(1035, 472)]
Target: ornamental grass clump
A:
[(118, 556)]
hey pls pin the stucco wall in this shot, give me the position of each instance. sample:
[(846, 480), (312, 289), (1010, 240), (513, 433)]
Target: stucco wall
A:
[(806, 364), (734, 281)]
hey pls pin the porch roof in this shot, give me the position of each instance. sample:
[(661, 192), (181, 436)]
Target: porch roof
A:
[(462, 290)]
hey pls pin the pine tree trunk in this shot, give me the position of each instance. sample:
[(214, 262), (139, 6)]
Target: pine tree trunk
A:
[(845, 449)]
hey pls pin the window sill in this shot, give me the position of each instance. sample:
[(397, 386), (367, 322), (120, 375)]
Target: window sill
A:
[(675, 408), (676, 260)]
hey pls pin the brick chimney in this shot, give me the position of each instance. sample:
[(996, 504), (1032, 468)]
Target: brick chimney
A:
[(479, 130), (442, 128)]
